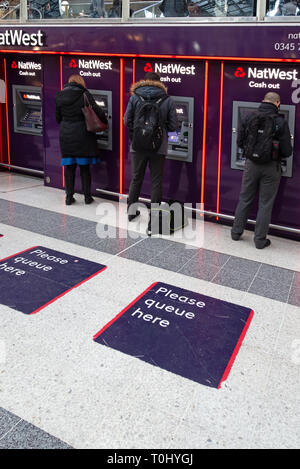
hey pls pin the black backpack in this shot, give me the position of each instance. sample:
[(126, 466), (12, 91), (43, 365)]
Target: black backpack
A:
[(167, 217), (260, 136), (148, 126)]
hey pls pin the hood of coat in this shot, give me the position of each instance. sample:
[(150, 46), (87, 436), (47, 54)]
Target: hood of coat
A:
[(148, 89), (70, 93), (268, 108)]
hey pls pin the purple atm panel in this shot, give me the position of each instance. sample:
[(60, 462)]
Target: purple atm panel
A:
[(250, 82), (24, 96), (101, 74), (185, 81)]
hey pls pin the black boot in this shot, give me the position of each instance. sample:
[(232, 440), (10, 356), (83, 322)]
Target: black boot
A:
[(86, 183), (70, 172)]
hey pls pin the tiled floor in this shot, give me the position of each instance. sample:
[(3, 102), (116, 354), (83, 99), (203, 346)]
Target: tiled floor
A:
[(60, 389)]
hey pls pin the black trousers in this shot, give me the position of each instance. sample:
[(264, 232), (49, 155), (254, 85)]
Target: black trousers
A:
[(264, 180), (85, 175), (139, 163)]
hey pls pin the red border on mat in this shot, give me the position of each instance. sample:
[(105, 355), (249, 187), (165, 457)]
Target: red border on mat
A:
[(67, 291), (236, 350), (62, 294), (17, 253), (124, 311)]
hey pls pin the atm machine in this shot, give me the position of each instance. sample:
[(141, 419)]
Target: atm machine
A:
[(240, 111), (180, 142), (27, 102), (104, 100)]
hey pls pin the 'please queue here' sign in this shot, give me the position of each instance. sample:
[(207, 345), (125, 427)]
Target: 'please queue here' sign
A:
[(192, 335), (36, 277)]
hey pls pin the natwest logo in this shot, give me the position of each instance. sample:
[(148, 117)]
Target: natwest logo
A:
[(73, 64), (175, 69), (272, 74), (27, 65), (148, 68), (21, 38), (239, 73), (94, 64)]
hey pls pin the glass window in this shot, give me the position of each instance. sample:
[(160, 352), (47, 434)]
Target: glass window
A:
[(283, 8), (192, 8), (56, 9)]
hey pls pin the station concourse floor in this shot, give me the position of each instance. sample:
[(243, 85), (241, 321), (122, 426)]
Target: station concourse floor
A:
[(59, 389)]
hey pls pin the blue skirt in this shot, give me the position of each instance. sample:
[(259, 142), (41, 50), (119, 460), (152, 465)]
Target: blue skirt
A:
[(79, 161)]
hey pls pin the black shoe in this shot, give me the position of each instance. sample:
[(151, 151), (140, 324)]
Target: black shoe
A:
[(70, 200), (133, 217), (264, 245), (235, 236), (88, 199), (149, 232)]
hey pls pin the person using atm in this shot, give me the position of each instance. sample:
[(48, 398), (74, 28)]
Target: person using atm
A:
[(78, 146), (265, 140), (150, 95)]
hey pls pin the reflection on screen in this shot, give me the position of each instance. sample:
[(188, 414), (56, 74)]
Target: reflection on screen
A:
[(173, 137)]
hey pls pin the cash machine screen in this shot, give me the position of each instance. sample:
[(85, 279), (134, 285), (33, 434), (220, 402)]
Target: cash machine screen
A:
[(27, 109), (104, 100), (240, 112)]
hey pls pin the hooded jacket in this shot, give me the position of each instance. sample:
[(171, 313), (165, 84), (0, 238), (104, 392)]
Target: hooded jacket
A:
[(74, 139), (283, 134), (153, 90)]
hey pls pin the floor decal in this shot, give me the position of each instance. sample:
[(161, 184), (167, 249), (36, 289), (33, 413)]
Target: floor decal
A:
[(36, 277), (192, 335)]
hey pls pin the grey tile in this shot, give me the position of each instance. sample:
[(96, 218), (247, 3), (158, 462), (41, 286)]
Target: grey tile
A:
[(240, 280), (173, 258), (212, 257), (146, 249), (199, 269), (239, 265), (268, 289), (7, 421), (116, 245), (27, 436), (294, 296), (276, 274)]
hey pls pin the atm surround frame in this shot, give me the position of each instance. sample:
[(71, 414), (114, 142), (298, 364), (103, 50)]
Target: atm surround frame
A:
[(190, 101), (18, 128), (108, 94), (234, 147)]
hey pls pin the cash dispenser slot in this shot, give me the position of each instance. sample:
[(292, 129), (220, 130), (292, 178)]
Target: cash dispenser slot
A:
[(104, 100), (27, 102), (180, 142), (241, 110)]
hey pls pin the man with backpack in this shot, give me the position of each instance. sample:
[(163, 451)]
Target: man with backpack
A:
[(266, 140), (149, 116)]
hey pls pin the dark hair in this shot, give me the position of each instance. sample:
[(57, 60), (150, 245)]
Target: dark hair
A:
[(152, 76)]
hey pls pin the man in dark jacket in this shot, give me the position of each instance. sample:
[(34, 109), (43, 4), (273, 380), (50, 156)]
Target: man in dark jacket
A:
[(149, 88), (262, 178)]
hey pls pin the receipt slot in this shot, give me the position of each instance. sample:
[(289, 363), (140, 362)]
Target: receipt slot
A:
[(180, 142), (240, 111), (27, 102), (104, 100)]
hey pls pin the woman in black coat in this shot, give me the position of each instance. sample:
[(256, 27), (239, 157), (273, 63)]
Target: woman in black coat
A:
[(78, 146)]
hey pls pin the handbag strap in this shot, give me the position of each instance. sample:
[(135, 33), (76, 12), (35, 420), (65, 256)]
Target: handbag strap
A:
[(86, 101)]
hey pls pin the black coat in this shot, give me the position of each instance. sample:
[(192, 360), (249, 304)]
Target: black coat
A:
[(74, 139), (283, 134), (154, 90)]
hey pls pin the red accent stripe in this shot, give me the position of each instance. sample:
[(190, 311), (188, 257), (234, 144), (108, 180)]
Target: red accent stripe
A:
[(236, 350), (123, 311), (204, 133), (67, 291), (220, 137), (121, 126), (6, 107), (18, 253)]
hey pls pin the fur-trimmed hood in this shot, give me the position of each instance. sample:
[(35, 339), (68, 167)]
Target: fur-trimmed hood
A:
[(146, 84)]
